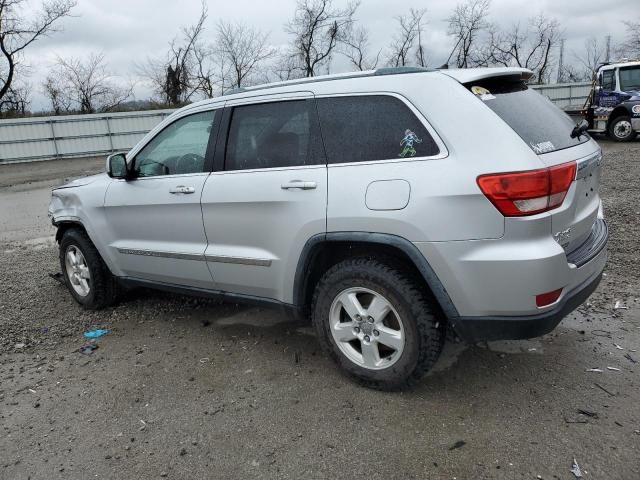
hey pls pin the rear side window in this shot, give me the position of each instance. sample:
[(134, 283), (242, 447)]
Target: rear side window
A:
[(271, 135), (372, 127), (542, 125)]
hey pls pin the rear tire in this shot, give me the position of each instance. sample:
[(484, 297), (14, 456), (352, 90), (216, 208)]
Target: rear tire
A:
[(86, 275), (385, 351), (620, 129)]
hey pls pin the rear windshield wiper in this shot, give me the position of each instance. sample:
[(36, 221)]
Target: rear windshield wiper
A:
[(580, 129)]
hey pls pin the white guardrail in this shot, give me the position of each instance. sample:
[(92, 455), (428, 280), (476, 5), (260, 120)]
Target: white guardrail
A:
[(68, 136), (50, 138)]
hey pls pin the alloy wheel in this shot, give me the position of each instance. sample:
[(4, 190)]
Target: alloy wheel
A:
[(78, 271), (366, 328)]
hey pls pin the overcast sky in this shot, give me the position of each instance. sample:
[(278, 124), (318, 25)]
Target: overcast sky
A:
[(129, 31)]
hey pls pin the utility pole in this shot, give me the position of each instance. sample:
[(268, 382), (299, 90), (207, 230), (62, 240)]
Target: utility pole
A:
[(560, 77), (607, 57)]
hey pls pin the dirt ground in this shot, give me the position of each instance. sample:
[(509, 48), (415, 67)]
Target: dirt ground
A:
[(185, 388)]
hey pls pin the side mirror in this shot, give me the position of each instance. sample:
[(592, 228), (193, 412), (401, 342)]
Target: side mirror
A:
[(117, 166)]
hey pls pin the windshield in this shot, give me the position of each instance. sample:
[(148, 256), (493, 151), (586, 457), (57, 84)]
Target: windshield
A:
[(630, 78), (542, 125)]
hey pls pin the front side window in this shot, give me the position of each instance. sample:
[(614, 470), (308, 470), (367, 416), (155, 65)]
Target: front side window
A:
[(372, 127), (272, 135), (178, 149), (608, 80)]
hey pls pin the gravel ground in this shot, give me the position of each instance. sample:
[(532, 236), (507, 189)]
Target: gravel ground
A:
[(186, 388)]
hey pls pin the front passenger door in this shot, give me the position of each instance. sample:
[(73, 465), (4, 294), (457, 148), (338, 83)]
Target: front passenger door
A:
[(155, 220)]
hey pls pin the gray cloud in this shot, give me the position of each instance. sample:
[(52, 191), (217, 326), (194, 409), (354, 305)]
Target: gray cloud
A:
[(128, 31)]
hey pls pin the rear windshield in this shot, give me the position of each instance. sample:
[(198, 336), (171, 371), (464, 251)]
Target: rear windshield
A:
[(542, 125)]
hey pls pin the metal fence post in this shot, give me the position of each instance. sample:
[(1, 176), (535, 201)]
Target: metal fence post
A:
[(109, 134), (53, 137)]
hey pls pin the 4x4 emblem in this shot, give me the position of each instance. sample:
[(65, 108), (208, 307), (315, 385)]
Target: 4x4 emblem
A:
[(563, 237)]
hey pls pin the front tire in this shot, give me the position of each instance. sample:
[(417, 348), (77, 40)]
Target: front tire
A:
[(621, 130), (376, 323), (86, 275)]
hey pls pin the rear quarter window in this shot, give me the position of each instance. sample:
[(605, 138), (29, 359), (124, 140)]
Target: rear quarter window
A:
[(542, 125), (371, 127)]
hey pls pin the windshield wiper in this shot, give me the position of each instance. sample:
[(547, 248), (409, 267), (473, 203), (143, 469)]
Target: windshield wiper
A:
[(580, 129)]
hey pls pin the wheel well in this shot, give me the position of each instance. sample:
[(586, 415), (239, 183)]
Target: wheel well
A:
[(618, 112), (64, 226), (326, 254)]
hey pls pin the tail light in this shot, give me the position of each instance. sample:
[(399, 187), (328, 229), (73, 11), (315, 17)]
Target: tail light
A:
[(527, 193)]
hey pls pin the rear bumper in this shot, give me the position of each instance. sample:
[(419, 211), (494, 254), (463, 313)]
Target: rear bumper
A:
[(493, 284), (476, 329)]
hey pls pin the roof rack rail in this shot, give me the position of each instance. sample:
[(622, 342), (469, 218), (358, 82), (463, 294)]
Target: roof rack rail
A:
[(329, 78), (400, 70)]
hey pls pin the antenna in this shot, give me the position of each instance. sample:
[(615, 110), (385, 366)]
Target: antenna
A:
[(560, 77)]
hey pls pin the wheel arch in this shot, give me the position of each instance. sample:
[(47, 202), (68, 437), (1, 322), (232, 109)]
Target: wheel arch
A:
[(619, 111), (325, 250), (65, 225)]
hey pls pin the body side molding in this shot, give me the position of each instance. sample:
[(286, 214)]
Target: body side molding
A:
[(201, 257)]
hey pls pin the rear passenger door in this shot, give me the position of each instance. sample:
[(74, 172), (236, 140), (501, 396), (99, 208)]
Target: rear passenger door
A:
[(378, 181), (267, 195)]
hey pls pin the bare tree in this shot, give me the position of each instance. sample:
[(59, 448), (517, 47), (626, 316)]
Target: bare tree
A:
[(172, 77), (466, 24), (317, 28), (85, 84), (356, 47), (244, 49), (530, 48), (205, 72), (421, 58), (60, 99), (286, 66), (592, 55), (17, 32), (570, 73), (410, 30), (631, 45), (16, 101)]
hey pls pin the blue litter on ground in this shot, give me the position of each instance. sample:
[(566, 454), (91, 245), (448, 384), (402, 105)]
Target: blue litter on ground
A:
[(95, 333)]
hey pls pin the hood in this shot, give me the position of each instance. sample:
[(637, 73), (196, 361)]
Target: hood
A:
[(80, 182)]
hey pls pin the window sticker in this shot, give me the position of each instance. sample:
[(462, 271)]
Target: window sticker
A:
[(543, 147), (482, 92), (407, 143)]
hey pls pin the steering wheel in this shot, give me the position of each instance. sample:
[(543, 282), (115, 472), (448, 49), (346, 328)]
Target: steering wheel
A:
[(190, 163)]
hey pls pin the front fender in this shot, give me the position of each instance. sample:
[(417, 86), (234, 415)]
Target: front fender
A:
[(83, 205)]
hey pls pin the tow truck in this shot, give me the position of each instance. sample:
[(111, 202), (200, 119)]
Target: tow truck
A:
[(613, 105)]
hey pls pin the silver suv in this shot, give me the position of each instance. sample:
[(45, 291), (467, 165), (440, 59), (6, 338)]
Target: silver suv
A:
[(388, 205)]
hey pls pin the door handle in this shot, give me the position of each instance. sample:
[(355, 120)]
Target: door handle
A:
[(182, 189), (301, 184)]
